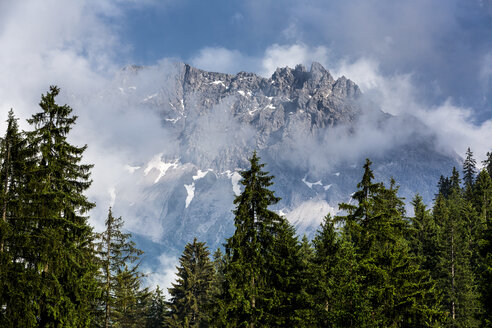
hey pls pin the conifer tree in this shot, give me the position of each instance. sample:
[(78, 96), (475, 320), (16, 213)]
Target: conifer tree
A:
[(157, 310), (324, 263), (483, 204), (261, 281), (444, 187), (393, 282), (487, 163), (64, 255), (217, 288), (190, 294), (454, 273), (454, 181), (423, 235), (17, 299), (131, 301), (469, 169), (247, 249), (119, 260), (287, 301)]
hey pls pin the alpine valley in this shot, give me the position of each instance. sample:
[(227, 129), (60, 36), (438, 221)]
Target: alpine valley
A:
[(313, 132)]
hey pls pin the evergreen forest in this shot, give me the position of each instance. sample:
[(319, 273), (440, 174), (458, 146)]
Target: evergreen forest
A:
[(372, 265)]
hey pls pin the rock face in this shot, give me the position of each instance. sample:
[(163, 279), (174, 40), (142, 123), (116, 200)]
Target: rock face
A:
[(311, 130)]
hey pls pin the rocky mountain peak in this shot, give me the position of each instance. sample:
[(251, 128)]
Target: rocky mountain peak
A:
[(302, 122)]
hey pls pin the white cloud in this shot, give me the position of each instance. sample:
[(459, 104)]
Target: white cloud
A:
[(225, 60), (397, 94), (218, 59), (291, 55), (165, 273)]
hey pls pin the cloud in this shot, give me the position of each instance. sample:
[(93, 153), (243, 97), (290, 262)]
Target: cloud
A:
[(441, 45), (291, 55), (164, 274), (222, 60), (454, 125)]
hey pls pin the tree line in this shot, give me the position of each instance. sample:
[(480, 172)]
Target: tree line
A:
[(372, 265)]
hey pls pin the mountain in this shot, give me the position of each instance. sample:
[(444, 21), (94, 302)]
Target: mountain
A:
[(313, 131)]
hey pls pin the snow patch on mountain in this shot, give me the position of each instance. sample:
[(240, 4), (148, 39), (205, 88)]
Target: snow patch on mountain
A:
[(201, 174), (235, 178), (156, 163), (218, 82), (190, 189), (150, 97), (311, 184)]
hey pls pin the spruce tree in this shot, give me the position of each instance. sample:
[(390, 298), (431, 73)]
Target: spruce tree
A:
[(261, 281), (394, 284), (469, 168), (324, 263), (483, 203), (63, 255), (190, 294), (423, 236), (119, 260), (487, 163), (131, 301), (444, 187), (454, 181), (157, 310), (247, 249), (285, 295), (454, 273), (18, 302), (469, 173)]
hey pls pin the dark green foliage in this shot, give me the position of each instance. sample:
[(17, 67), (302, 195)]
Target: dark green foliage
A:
[(483, 203), (190, 296), (120, 279), (336, 280), (131, 301), (392, 280), (287, 303), (454, 274), (63, 253), (423, 235), (157, 310), (262, 285), (444, 186), (17, 274), (248, 248), (469, 169), (487, 163)]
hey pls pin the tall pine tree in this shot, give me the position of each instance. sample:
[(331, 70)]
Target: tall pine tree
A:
[(454, 273), (18, 300), (395, 285), (262, 244), (119, 280), (190, 295), (64, 256)]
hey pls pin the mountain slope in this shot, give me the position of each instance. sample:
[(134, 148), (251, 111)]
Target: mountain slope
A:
[(312, 130)]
